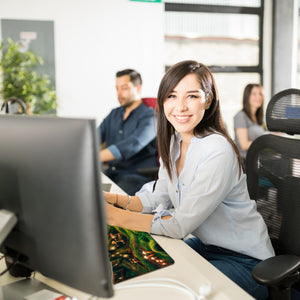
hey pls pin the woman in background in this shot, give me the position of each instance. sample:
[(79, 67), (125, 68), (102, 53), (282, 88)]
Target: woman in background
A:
[(201, 189), (248, 123)]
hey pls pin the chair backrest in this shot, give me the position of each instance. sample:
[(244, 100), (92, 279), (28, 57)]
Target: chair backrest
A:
[(273, 172), (283, 112), (12, 105), (151, 172), (151, 102)]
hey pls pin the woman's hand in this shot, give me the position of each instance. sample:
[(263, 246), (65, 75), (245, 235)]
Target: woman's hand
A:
[(109, 197), (111, 211), (127, 219)]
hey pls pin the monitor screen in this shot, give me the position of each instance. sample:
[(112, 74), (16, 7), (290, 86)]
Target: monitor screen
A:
[(50, 179)]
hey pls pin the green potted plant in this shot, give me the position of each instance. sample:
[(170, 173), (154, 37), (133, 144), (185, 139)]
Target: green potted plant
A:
[(20, 80)]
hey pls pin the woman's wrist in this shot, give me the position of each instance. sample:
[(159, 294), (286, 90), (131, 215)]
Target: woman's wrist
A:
[(110, 198), (128, 203), (117, 201), (121, 201)]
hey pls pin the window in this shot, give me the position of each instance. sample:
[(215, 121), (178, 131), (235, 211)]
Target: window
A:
[(298, 50), (226, 35)]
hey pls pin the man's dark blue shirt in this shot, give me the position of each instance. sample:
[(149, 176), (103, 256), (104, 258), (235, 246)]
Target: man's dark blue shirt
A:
[(132, 142)]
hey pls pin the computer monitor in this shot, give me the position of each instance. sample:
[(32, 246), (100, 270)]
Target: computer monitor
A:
[(50, 179)]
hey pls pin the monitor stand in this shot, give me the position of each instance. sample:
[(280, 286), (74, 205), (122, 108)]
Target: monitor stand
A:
[(28, 289), (24, 289)]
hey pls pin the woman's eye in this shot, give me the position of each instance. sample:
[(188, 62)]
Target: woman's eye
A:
[(171, 96), (193, 96)]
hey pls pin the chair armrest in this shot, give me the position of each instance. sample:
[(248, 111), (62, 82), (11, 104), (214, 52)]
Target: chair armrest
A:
[(278, 270)]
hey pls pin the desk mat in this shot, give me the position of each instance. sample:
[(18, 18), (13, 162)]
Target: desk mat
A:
[(133, 253)]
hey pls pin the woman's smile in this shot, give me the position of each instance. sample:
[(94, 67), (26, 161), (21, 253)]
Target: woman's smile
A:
[(182, 118)]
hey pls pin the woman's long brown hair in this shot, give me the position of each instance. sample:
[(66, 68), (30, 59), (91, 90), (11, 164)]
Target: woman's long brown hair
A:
[(246, 105), (212, 121)]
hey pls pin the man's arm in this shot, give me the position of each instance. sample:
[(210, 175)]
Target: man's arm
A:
[(106, 155), (141, 135)]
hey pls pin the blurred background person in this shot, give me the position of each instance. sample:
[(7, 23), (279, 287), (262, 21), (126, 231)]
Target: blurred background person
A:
[(249, 123), (129, 135)]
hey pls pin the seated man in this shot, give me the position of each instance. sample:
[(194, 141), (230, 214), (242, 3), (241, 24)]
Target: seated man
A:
[(129, 135)]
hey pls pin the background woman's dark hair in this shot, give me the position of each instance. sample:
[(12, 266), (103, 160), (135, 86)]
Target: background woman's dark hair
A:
[(246, 105), (212, 120)]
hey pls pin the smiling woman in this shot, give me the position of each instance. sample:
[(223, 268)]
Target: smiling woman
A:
[(200, 178)]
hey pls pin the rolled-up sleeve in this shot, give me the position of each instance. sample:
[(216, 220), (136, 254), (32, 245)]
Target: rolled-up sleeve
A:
[(115, 152)]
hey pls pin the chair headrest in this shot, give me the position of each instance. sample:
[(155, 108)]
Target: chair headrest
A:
[(283, 112)]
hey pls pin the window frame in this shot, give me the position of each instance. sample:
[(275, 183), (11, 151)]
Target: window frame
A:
[(205, 8)]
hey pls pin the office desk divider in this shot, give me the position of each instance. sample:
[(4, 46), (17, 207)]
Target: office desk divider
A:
[(133, 253)]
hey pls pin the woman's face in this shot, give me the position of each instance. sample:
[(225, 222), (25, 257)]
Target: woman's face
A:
[(256, 97), (185, 105)]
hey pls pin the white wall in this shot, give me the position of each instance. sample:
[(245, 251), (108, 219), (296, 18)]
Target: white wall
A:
[(267, 51), (93, 40)]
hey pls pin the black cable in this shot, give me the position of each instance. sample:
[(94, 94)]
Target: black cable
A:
[(10, 265)]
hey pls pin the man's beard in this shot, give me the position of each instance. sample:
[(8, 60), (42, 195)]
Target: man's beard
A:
[(128, 104)]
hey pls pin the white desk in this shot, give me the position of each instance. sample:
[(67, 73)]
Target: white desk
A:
[(189, 268)]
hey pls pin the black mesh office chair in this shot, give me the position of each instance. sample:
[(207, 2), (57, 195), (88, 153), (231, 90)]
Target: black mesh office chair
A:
[(273, 178)]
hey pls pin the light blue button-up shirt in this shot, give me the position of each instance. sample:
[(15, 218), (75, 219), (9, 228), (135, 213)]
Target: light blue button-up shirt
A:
[(209, 199)]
